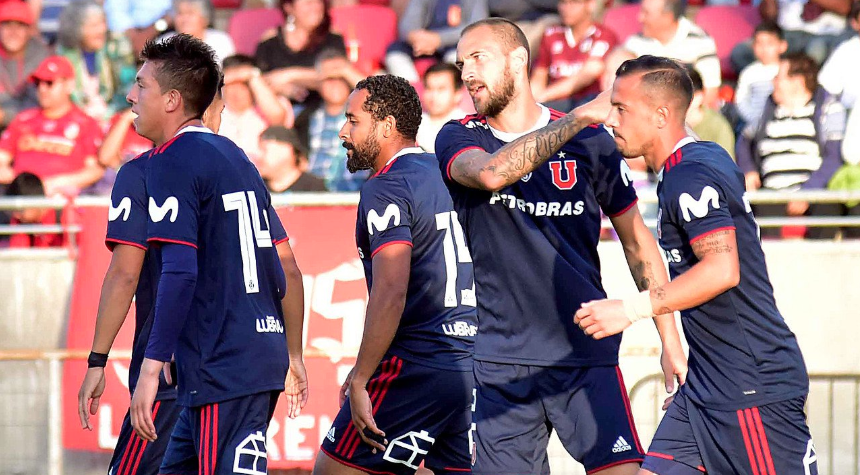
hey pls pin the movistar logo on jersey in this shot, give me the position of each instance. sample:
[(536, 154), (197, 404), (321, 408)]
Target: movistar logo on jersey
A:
[(123, 209), (459, 329), (157, 213), (378, 223), (699, 207), (269, 324), (626, 173)]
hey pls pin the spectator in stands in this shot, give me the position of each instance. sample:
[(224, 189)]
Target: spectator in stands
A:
[(320, 127), (443, 92), (57, 141), (122, 142), (571, 57), (798, 141), (104, 66), (840, 75), (250, 105), (755, 83), (614, 59), (288, 57), (49, 18), (283, 161), (138, 20), (430, 29), (532, 16), (847, 178), (193, 17), (21, 51), (28, 184), (707, 123), (666, 32)]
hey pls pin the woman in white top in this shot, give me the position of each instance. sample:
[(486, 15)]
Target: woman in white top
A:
[(193, 17)]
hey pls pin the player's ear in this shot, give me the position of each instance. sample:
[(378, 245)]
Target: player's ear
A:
[(661, 116), (519, 59), (173, 100), (389, 126)]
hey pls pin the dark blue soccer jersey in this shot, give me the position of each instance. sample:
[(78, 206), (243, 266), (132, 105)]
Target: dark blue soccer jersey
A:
[(534, 244), (205, 193), (742, 353), (407, 202), (127, 220)]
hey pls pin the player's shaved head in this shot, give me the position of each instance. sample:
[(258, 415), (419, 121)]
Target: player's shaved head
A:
[(508, 34), (662, 80)]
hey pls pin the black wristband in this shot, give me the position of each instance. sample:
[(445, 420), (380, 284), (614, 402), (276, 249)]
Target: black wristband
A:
[(97, 360)]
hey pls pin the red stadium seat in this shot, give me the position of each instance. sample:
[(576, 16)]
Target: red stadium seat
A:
[(246, 27), (371, 27), (233, 4), (728, 25), (622, 20)]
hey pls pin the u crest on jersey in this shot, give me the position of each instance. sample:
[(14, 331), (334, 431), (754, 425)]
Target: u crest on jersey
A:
[(563, 173)]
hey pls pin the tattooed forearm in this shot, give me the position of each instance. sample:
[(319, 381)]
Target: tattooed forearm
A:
[(659, 294), (643, 275), (712, 244)]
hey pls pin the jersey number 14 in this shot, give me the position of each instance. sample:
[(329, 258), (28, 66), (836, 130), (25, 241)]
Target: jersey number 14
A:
[(250, 232), (455, 251)]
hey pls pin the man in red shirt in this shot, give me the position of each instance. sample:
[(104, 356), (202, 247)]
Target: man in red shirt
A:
[(56, 141), (571, 57), (27, 184)]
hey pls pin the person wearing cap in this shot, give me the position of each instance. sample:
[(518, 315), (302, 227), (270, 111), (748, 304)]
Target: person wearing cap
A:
[(21, 51), (283, 160), (56, 141)]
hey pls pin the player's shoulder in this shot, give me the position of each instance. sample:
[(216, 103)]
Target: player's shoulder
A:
[(697, 163), (602, 32), (469, 122)]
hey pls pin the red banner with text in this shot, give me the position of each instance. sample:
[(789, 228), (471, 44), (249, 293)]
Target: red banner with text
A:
[(323, 240)]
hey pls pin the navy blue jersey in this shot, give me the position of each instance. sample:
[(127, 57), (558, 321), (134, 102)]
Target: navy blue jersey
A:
[(127, 220), (534, 244), (742, 353), (407, 202), (205, 193)]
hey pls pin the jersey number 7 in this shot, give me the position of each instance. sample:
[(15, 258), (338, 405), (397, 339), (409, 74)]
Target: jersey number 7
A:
[(250, 231), (447, 222)]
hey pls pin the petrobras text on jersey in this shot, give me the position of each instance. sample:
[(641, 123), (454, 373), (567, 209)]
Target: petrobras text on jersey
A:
[(269, 324), (459, 329), (540, 208)]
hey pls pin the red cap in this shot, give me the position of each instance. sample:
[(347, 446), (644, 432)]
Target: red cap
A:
[(53, 68), (16, 11)]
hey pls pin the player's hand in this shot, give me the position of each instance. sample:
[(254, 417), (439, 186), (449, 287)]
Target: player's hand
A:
[(596, 110), (797, 208), (602, 318), (674, 365), (344, 388), (362, 417), (144, 398), (752, 180), (668, 402), (296, 388), (90, 394)]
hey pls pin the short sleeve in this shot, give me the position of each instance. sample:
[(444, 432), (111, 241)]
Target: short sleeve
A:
[(9, 138), (709, 67), (127, 216), (696, 201), (174, 206), (386, 211), (276, 228), (613, 180), (451, 141)]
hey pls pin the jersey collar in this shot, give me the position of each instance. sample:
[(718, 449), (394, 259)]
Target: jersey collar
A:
[(397, 155), (508, 137), (571, 41), (193, 128), (684, 141)]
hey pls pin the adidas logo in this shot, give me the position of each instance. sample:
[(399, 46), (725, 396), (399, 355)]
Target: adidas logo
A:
[(330, 435), (621, 445)]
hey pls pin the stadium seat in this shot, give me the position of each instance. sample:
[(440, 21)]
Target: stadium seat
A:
[(233, 4), (373, 27), (622, 20), (246, 27), (728, 25)]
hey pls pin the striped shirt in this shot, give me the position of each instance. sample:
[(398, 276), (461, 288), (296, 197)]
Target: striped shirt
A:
[(755, 85)]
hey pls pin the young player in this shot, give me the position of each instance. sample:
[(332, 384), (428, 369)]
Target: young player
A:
[(741, 410), (218, 306), (410, 392), (533, 228)]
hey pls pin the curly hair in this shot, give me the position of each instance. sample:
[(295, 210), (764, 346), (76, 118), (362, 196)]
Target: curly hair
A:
[(389, 95)]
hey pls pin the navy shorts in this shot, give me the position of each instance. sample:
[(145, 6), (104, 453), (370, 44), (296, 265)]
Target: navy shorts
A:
[(765, 440), (221, 438), (517, 407), (135, 456), (425, 414)]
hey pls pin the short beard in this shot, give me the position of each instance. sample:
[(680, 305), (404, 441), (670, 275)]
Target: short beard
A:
[(498, 100), (363, 154)]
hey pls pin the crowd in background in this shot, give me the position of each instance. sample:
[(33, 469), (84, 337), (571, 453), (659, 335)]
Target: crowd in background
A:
[(781, 102)]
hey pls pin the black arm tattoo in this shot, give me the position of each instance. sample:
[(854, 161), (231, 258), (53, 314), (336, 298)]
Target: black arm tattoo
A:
[(643, 274), (660, 294), (712, 244)]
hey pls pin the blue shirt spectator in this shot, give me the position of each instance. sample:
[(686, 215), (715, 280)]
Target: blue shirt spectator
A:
[(123, 15)]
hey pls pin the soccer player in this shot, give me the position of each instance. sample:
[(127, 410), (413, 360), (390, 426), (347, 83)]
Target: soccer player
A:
[(218, 303), (741, 410), (410, 392), (529, 184)]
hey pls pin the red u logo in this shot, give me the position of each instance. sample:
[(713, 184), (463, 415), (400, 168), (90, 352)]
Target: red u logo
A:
[(563, 182)]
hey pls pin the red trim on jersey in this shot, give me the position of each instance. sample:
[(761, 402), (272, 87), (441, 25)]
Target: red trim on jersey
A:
[(471, 117), (708, 233), (626, 209), (660, 456), (756, 443), (382, 390), (120, 241), (351, 431), (127, 454), (408, 243), (172, 241), (764, 444), (628, 410), (747, 443), (142, 154), (164, 146), (286, 239), (701, 468), (357, 467), (384, 169), (215, 440), (613, 464), (554, 114), (593, 126), (452, 469), (143, 447), (454, 157), (673, 160)]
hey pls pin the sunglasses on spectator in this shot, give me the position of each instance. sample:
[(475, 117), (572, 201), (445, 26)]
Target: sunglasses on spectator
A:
[(39, 82)]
